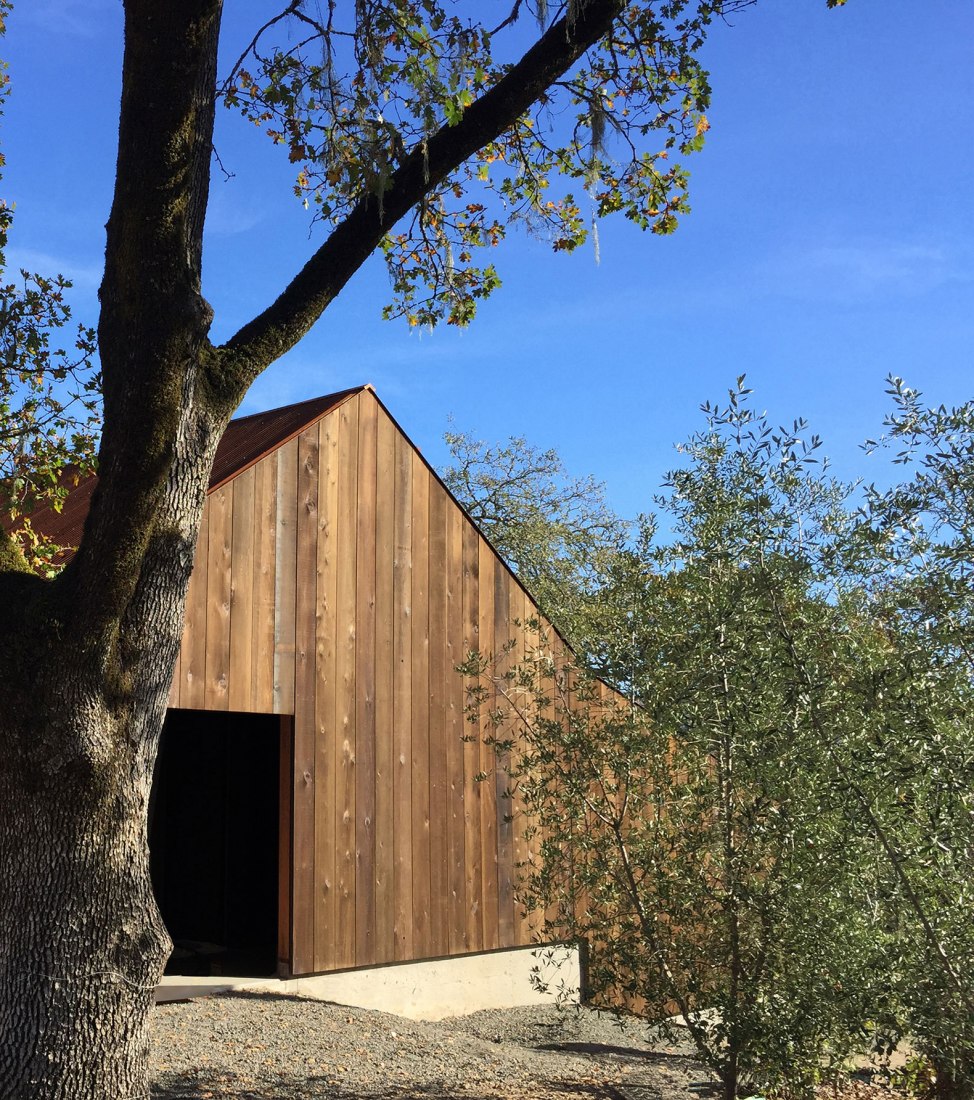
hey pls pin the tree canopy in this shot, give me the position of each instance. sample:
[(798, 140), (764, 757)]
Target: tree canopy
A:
[(360, 99)]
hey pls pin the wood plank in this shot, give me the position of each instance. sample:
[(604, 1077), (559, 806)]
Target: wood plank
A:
[(556, 648), (193, 650), (327, 743), (385, 717), (487, 787), (365, 684), (177, 680), (216, 696), (420, 711), (285, 567), (455, 730), (265, 555), (285, 954), (305, 605), (442, 676), (472, 851), (521, 611), (345, 713), (242, 592), (505, 833), (402, 699)]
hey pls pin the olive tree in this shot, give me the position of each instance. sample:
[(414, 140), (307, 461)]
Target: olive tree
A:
[(767, 829), (922, 532)]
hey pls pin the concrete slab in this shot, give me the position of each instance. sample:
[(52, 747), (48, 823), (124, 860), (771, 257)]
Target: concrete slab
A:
[(440, 988), (179, 987), (430, 990)]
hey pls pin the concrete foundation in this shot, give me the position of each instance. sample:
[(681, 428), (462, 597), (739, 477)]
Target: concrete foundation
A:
[(422, 990)]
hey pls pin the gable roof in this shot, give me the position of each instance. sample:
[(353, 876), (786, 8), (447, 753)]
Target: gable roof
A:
[(245, 442), (248, 439)]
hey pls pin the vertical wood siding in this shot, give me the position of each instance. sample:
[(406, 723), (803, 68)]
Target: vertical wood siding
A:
[(337, 581)]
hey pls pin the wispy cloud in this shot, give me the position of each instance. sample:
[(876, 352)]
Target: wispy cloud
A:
[(83, 276), (77, 18), (860, 270), (226, 215)]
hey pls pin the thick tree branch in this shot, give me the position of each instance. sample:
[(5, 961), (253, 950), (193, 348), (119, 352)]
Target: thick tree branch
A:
[(283, 323)]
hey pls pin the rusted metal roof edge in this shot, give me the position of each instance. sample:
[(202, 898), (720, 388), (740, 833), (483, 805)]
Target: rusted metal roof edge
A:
[(342, 396)]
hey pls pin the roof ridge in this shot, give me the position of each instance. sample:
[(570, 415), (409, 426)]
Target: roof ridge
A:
[(307, 401), (245, 441), (225, 468)]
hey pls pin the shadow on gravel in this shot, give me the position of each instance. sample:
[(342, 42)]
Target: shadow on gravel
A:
[(606, 1050), (220, 1086), (258, 995)]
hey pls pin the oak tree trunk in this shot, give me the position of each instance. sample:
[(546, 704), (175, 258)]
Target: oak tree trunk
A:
[(86, 660), (82, 941), (82, 945)]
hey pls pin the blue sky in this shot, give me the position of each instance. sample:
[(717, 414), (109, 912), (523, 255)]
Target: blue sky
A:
[(831, 242)]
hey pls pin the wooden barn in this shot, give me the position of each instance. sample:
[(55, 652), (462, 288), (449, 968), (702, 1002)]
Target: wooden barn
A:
[(316, 806)]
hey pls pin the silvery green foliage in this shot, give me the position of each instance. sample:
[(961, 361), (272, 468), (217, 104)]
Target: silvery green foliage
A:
[(769, 831), (922, 533)]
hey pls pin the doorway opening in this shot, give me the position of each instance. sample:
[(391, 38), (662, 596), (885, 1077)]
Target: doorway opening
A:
[(219, 838)]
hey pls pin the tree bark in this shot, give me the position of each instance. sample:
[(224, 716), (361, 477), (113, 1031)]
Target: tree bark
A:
[(82, 945)]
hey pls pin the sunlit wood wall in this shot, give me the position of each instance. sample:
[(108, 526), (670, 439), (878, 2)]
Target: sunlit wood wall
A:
[(337, 580)]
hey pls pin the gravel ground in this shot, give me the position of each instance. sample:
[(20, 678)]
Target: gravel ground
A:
[(258, 1046)]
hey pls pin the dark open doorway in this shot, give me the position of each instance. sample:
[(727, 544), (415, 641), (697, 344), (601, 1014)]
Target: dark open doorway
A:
[(215, 835)]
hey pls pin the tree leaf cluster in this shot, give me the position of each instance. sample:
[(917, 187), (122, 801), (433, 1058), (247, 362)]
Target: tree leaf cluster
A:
[(50, 411), (353, 92)]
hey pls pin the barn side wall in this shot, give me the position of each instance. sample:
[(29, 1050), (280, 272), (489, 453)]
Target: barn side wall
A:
[(337, 580)]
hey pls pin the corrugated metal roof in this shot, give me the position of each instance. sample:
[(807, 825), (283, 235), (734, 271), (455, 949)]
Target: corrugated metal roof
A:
[(246, 441)]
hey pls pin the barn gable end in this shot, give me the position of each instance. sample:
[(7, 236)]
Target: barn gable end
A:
[(338, 582)]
